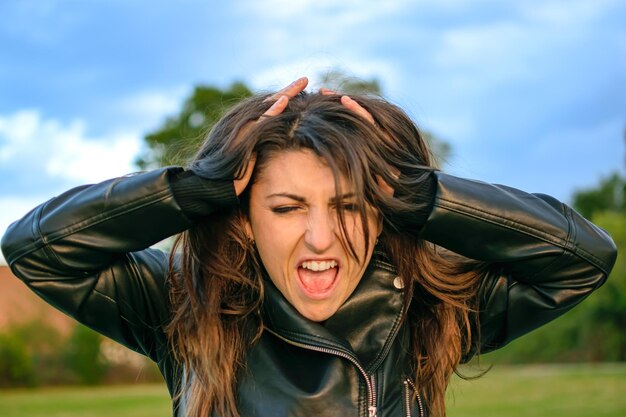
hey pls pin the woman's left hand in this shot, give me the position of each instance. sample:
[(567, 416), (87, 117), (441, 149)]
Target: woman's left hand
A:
[(355, 107), (281, 99)]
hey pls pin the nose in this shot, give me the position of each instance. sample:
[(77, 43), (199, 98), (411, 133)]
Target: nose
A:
[(320, 232)]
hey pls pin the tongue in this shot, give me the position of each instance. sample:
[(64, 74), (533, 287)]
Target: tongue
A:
[(317, 281)]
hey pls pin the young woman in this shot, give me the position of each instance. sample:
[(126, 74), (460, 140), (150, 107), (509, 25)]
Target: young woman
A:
[(324, 267)]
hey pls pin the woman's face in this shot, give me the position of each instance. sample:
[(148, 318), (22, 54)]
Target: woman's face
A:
[(294, 221)]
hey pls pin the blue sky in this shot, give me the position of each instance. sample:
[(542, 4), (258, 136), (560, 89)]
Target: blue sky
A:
[(528, 93)]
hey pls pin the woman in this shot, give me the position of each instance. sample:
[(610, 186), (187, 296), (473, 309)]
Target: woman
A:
[(324, 267)]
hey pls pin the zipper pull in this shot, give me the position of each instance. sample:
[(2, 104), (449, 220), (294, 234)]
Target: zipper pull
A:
[(372, 410)]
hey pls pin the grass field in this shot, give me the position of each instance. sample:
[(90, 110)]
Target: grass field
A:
[(542, 391), (529, 391)]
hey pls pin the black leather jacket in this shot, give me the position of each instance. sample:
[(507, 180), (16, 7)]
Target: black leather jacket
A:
[(85, 252)]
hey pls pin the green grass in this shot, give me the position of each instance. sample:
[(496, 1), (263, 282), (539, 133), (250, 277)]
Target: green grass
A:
[(110, 401), (537, 391), (541, 391)]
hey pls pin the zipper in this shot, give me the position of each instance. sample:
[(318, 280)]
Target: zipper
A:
[(407, 398), (372, 407), (369, 380)]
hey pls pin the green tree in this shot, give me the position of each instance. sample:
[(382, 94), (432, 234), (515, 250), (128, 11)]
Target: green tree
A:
[(180, 136), (606, 196), (605, 312)]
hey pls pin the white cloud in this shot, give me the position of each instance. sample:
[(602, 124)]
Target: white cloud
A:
[(146, 109), (314, 67), (93, 160), (58, 155), (64, 151)]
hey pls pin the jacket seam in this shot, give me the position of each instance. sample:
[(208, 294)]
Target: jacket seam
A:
[(315, 340), (45, 240), (471, 211), (388, 342), (39, 235)]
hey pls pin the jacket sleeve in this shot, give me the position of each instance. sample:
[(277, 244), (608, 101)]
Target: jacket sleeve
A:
[(544, 257), (86, 252)]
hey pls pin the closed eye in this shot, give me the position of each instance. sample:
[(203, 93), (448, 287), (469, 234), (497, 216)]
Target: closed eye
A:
[(349, 206), (284, 209)]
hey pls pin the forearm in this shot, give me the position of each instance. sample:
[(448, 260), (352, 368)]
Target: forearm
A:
[(88, 227), (499, 224)]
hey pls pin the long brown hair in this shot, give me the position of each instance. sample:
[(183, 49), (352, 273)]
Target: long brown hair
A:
[(216, 286)]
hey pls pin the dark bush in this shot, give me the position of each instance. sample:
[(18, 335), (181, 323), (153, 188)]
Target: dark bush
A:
[(82, 355), (16, 367)]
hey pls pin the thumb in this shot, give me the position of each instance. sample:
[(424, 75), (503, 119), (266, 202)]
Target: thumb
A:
[(242, 183)]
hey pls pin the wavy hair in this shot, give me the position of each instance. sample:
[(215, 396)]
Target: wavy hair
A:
[(216, 288)]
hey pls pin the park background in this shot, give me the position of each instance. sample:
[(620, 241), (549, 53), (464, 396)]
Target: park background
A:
[(526, 93)]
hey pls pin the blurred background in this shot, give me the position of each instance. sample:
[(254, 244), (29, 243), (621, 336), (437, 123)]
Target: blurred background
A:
[(531, 94)]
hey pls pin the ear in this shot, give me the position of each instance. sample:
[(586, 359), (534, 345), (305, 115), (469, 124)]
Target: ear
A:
[(379, 224), (248, 228)]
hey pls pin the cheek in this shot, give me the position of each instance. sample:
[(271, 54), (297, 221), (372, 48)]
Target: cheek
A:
[(274, 241), (356, 231)]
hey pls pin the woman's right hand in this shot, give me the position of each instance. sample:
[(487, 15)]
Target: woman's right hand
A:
[(355, 107), (281, 99)]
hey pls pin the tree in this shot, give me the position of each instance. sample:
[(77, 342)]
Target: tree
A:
[(606, 196), (606, 311), (180, 136)]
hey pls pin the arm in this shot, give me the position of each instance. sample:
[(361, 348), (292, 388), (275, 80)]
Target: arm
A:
[(545, 258), (85, 251)]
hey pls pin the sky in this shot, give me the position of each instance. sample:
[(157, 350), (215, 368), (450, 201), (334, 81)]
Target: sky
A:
[(531, 94)]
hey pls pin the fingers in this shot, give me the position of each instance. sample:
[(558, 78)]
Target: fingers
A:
[(387, 189), (356, 107), (241, 184), (277, 108), (328, 92), (291, 90)]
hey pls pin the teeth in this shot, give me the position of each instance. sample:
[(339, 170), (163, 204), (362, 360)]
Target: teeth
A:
[(319, 266)]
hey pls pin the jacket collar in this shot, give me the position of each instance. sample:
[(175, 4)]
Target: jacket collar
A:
[(364, 326)]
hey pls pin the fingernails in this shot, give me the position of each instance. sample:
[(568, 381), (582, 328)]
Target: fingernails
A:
[(280, 100), (298, 81)]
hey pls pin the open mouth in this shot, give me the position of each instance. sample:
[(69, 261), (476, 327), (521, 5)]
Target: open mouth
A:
[(317, 279)]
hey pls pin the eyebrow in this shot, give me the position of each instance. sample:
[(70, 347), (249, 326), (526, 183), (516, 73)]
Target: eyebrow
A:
[(301, 199)]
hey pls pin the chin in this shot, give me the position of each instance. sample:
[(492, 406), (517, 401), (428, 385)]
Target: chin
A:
[(317, 313)]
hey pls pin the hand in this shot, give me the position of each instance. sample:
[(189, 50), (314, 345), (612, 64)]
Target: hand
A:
[(355, 107), (280, 99)]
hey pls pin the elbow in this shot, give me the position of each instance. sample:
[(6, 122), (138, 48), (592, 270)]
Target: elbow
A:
[(605, 251), (595, 246)]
